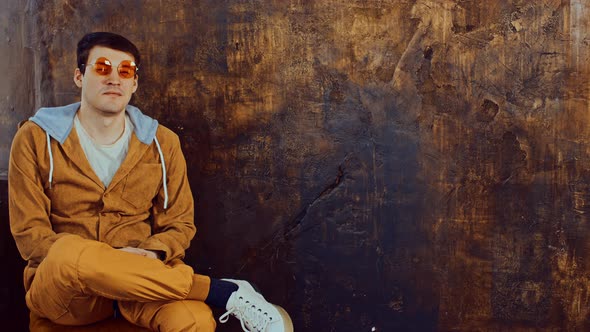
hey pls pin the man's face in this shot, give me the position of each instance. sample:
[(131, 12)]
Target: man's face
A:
[(108, 94)]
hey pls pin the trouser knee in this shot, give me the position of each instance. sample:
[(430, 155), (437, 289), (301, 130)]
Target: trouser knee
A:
[(186, 316), (175, 316), (55, 283)]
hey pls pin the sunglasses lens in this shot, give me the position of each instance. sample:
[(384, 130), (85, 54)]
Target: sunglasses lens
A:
[(127, 69), (102, 66)]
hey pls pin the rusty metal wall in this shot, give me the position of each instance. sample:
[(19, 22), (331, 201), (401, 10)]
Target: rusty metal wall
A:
[(16, 102), (397, 165), (16, 86)]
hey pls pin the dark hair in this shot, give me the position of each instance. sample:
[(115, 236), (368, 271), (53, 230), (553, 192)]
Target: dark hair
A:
[(106, 39)]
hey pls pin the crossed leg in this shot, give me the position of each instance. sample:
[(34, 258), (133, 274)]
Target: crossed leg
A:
[(78, 280)]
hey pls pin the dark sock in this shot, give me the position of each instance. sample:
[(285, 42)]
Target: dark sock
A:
[(219, 292)]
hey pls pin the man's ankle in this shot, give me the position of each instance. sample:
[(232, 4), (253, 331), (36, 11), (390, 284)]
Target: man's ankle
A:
[(219, 292)]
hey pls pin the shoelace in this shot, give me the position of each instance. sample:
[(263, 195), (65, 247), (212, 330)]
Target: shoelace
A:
[(258, 319)]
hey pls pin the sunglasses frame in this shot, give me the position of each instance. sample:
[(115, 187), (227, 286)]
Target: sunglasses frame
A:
[(107, 63)]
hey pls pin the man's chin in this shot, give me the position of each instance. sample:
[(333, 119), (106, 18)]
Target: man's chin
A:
[(112, 108)]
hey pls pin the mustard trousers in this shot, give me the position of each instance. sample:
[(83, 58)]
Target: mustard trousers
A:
[(79, 279)]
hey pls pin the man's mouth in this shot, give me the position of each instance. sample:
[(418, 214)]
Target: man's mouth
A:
[(112, 93)]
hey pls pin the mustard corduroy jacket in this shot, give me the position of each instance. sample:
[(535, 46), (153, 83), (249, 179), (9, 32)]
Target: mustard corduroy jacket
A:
[(54, 191)]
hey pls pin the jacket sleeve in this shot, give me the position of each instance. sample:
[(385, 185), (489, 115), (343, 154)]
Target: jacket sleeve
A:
[(28, 205), (173, 228)]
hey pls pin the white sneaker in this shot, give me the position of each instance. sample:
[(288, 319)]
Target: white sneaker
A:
[(254, 312)]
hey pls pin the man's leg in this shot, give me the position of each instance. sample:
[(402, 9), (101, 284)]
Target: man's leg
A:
[(78, 270), (175, 316), (41, 324)]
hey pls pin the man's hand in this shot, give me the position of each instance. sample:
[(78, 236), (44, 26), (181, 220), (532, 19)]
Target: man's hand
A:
[(140, 252)]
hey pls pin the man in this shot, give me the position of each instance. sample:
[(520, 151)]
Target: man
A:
[(100, 207)]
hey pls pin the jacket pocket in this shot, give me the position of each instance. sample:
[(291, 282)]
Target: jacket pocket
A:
[(142, 185)]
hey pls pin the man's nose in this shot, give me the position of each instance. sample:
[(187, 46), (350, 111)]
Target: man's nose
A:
[(113, 77)]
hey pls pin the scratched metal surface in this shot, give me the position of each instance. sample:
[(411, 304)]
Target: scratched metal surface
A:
[(396, 165)]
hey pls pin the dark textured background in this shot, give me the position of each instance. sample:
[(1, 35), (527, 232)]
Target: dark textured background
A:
[(397, 164)]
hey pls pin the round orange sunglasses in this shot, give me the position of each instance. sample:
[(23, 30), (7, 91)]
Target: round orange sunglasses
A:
[(103, 67)]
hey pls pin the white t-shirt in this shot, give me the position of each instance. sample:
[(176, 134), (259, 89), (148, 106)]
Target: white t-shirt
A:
[(104, 159)]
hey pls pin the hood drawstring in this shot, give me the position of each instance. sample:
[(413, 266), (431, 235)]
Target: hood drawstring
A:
[(163, 173), (50, 159), (165, 185)]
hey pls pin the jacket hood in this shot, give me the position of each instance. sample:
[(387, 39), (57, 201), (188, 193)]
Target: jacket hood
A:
[(59, 121)]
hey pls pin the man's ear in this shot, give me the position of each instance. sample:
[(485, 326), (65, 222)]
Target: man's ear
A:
[(78, 76), (135, 82)]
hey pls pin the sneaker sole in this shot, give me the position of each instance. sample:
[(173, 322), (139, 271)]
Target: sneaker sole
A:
[(286, 318)]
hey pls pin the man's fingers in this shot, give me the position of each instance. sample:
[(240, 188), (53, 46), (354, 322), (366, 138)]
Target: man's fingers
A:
[(132, 250), (140, 252)]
